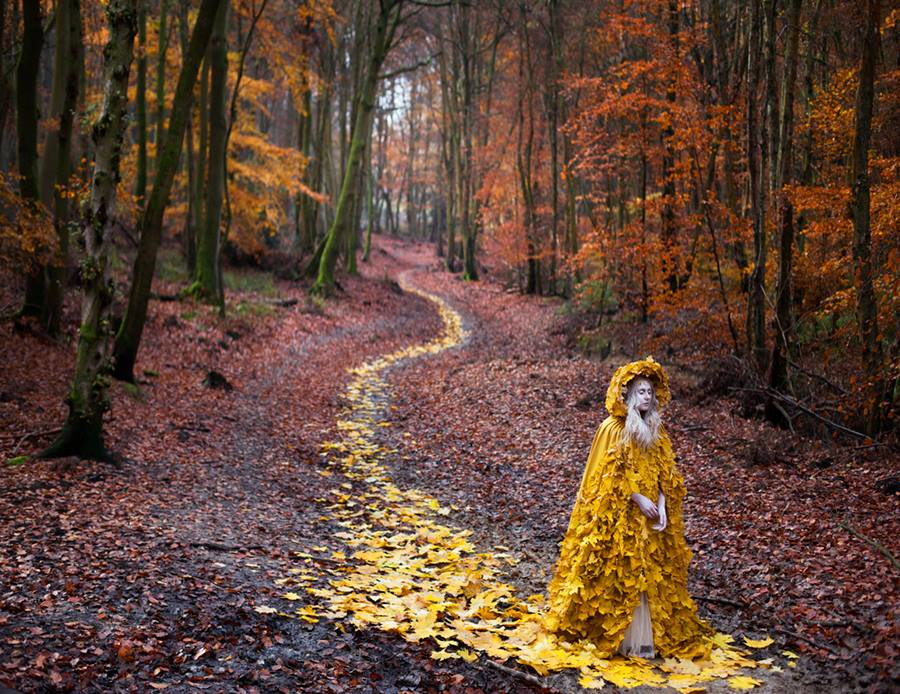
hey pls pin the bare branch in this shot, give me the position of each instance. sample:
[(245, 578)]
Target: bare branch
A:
[(408, 68)]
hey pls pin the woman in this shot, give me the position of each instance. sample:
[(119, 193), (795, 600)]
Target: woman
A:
[(621, 579)]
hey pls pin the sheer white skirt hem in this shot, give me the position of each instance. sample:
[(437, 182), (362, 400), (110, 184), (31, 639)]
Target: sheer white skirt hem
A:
[(638, 639)]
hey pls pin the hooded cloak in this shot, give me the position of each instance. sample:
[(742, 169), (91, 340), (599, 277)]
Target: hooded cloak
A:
[(611, 554)]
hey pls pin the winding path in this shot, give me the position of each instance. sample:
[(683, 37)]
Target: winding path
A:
[(399, 566)]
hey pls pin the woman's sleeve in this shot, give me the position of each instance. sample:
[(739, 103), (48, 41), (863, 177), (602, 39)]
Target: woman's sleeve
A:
[(670, 480)]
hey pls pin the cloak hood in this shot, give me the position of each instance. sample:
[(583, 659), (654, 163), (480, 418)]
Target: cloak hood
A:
[(648, 368)]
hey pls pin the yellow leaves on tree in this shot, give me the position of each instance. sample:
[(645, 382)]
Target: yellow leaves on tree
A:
[(27, 236)]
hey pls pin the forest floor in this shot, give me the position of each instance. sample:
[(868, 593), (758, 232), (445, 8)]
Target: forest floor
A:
[(150, 577)]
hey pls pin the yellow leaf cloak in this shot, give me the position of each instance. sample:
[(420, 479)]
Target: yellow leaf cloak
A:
[(611, 554)]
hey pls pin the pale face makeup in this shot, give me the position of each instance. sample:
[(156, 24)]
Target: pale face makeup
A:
[(643, 389)]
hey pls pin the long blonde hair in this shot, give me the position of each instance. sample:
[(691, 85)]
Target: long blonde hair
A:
[(642, 431)]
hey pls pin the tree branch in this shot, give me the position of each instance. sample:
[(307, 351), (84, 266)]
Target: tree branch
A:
[(875, 544), (408, 68)]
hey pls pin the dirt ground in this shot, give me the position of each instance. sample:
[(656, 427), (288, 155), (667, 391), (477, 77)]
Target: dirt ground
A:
[(146, 577)]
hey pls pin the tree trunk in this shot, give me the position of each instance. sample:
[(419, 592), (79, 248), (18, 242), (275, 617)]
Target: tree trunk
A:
[(450, 145), (554, 64), (207, 281), (370, 206), (57, 160), (866, 302), (5, 86), (669, 232), (200, 190), (129, 336), (781, 350), (304, 237), (82, 432), (140, 181), (756, 308), (772, 125), (381, 44), (468, 222), (162, 44), (26, 134), (188, 232)]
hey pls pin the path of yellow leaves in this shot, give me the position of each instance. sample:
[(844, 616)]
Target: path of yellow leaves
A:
[(399, 568)]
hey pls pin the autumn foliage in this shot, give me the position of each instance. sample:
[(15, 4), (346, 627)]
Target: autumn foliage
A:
[(715, 182)]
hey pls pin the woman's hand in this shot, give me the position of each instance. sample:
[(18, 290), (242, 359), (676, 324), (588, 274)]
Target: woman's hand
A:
[(648, 508), (661, 509)]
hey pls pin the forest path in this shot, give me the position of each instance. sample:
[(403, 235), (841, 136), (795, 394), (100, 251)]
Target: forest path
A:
[(398, 562), (113, 581), (500, 430)]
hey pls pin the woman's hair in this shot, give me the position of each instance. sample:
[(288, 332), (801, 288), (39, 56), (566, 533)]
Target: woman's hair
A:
[(640, 430)]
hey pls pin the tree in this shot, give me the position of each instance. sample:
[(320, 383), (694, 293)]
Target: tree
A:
[(866, 302), (781, 350), (26, 131), (128, 337), (756, 164), (162, 45), (82, 432), (140, 180), (208, 280), (56, 164), (386, 23)]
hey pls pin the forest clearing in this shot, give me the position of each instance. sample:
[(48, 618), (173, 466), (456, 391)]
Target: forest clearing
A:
[(312, 313)]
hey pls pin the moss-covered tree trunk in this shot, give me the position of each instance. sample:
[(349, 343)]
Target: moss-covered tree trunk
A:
[(386, 24), (128, 338), (27, 133), (56, 162), (370, 192), (207, 281), (82, 432)]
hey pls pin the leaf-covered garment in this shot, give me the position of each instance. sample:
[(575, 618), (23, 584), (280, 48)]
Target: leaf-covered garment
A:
[(611, 554)]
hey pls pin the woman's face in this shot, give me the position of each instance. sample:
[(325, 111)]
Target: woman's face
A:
[(643, 390)]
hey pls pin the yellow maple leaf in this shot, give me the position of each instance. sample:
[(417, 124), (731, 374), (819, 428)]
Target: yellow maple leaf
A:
[(264, 609), (722, 640), (442, 655), (291, 596), (760, 643), (743, 682), (591, 682), (467, 655)]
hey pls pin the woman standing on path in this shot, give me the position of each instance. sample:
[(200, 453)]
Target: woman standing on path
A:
[(621, 579)]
